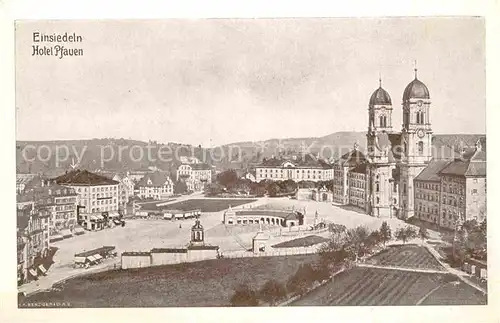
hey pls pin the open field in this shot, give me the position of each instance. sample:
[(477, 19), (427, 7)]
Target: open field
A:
[(301, 242), (206, 205), (207, 283), (373, 287), (409, 256)]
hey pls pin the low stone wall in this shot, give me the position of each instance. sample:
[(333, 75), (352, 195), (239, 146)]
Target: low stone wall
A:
[(159, 257)]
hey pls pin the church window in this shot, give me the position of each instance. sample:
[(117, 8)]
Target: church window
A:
[(381, 118), (378, 200), (420, 147), (377, 187), (418, 117), (404, 188), (422, 117)]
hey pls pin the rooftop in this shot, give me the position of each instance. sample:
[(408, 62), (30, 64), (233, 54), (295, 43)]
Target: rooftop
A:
[(431, 172), (307, 161), (169, 250), (84, 178), (156, 179), (473, 166)]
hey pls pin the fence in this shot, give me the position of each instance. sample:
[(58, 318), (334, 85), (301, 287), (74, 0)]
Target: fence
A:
[(271, 253)]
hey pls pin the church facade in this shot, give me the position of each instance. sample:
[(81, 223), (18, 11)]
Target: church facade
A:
[(399, 176), (381, 181)]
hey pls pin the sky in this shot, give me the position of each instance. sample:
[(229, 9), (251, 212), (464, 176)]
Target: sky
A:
[(217, 81)]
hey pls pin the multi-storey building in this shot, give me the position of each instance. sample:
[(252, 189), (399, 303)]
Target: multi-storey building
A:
[(23, 180), (341, 175), (32, 241), (125, 187), (463, 188), (196, 176), (59, 201), (156, 186), (98, 197), (305, 168), (357, 186), (400, 178), (428, 192)]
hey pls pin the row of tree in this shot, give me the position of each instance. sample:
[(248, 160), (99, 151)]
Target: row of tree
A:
[(344, 247), (470, 241), (273, 291), (229, 182), (348, 245)]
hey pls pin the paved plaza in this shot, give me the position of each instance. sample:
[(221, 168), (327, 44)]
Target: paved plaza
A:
[(143, 235)]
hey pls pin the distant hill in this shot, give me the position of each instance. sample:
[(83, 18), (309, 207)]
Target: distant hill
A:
[(236, 155), (105, 154)]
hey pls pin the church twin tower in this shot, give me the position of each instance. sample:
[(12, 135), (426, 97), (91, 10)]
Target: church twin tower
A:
[(396, 158)]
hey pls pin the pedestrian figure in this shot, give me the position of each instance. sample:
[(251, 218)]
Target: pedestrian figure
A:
[(180, 226)]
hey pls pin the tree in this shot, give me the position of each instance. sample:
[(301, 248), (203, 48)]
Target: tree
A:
[(405, 234), (214, 189), (228, 178), (257, 189), (356, 242), (272, 292), (385, 232), (273, 189), (374, 238), (301, 280), (180, 187), (244, 296), (423, 234)]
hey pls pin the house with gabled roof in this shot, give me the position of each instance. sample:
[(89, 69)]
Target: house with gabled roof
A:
[(303, 168), (157, 186)]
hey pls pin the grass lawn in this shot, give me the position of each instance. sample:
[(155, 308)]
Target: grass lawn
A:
[(301, 242), (206, 205), (409, 256), (374, 287), (207, 283), (456, 294)]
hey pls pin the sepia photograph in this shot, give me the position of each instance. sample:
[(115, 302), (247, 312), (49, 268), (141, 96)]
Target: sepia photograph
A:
[(269, 162)]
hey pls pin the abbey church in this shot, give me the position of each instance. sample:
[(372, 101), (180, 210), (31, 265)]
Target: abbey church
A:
[(382, 181)]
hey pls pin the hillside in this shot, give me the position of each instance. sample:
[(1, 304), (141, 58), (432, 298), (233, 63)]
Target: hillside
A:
[(236, 155)]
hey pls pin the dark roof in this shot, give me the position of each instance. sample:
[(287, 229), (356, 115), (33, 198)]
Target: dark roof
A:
[(353, 158), (361, 168), (92, 252), (202, 247), (169, 250), (380, 97), (157, 179), (431, 172), (136, 253), (416, 90), (84, 177), (475, 166), (306, 161)]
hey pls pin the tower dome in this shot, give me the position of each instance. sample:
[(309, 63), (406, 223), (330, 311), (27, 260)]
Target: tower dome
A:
[(416, 90), (380, 97)]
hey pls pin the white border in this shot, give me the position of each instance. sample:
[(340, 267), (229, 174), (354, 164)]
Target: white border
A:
[(122, 9)]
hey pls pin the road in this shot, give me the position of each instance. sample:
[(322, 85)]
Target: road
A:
[(143, 235)]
